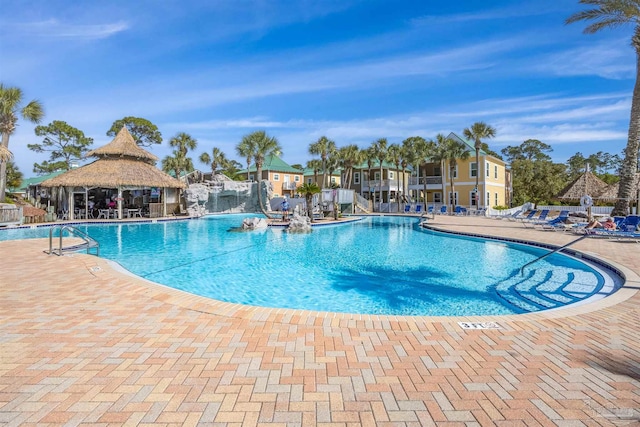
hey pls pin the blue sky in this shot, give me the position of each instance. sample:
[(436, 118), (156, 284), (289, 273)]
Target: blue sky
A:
[(354, 71)]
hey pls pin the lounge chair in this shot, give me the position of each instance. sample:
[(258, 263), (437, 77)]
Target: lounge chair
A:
[(558, 223), (418, 208), (460, 210), (407, 208), (628, 229), (527, 217), (443, 210), (542, 218), (430, 209)]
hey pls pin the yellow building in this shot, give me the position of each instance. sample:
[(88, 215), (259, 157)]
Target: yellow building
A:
[(283, 178), (492, 180)]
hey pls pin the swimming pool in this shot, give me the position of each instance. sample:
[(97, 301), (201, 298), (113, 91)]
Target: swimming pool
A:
[(379, 265)]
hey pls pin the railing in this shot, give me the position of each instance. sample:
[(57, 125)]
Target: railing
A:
[(89, 242), (386, 184), (551, 253), (363, 203), (431, 180), (11, 215), (289, 185)]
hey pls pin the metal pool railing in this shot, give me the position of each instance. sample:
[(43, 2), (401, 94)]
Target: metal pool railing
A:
[(88, 242)]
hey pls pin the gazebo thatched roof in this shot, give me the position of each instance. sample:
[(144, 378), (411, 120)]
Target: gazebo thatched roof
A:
[(123, 145), (115, 173), (611, 191), (585, 184), (120, 164)]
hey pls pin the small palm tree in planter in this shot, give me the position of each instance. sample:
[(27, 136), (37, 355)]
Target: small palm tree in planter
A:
[(308, 190)]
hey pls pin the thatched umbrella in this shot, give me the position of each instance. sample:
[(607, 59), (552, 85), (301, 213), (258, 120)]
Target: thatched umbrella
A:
[(611, 192), (5, 154), (121, 164)]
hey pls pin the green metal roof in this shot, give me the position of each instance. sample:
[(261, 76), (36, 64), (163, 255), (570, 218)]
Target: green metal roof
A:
[(470, 144), (28, 182), (274, 163), (310, 172)]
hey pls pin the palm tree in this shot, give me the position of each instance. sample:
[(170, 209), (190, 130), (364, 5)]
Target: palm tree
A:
[(370, 155), (316, 166), (424, 152), (5, 154), (476, 132), (245, 149), (323, 147), (379, 149), (10, 101), (450, 150), (217, 159), (350, 157), (308, 190), (410, 155), (395, 156), (611, 14), (259, 145)]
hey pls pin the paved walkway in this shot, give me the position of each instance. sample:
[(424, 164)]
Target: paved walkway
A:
[(82, 343)]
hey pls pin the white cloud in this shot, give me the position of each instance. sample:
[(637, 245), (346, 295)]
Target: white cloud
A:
[(56, 29)]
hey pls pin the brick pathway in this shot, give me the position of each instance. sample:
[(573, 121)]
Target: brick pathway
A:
[(82, 343)]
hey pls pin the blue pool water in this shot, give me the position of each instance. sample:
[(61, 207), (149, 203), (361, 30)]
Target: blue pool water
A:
[(379, 265)]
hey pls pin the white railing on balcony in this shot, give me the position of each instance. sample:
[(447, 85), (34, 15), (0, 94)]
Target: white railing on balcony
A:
[(431, 180), (387, 184), (289, 186)]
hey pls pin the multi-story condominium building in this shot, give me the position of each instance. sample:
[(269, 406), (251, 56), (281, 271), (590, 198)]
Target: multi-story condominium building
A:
[(434, 181), (493, 189), (284, 178)]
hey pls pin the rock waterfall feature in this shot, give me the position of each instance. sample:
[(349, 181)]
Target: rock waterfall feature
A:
[(223, 195)]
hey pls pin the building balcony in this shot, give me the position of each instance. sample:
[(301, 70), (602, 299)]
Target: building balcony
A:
[(419, 180), (289, 185)]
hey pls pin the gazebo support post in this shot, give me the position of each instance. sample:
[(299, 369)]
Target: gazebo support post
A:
[(120, 203), (70, 205), (86, 202), (164, 201)]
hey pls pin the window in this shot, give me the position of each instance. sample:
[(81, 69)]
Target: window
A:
[(472, 198), (309, 180), (390, 174), (455, 172), (333, 179), (453, 198), (496, 203), (487, 199), (251, 178), (376, 176), (486, 168), (356, 178), (437, 171), (296, 178), (474, 169), (437, 197), (495, 171), (276, 177)]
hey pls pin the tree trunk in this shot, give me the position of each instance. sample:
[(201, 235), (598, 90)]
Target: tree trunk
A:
[(477, 174), (424, 183), (3, 169), (630, 162), (453, 190)]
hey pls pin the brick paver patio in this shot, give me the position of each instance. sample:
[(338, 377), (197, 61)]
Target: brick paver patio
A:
[(83, 343)]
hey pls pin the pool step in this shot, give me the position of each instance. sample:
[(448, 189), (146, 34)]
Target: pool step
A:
[(544, 289)]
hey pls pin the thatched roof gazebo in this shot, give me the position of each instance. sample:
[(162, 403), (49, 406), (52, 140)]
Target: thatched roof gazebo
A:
[(121, 165), (585, 184), (610, 193)]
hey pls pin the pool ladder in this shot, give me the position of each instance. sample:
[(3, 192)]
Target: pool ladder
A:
[(88, 242)]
